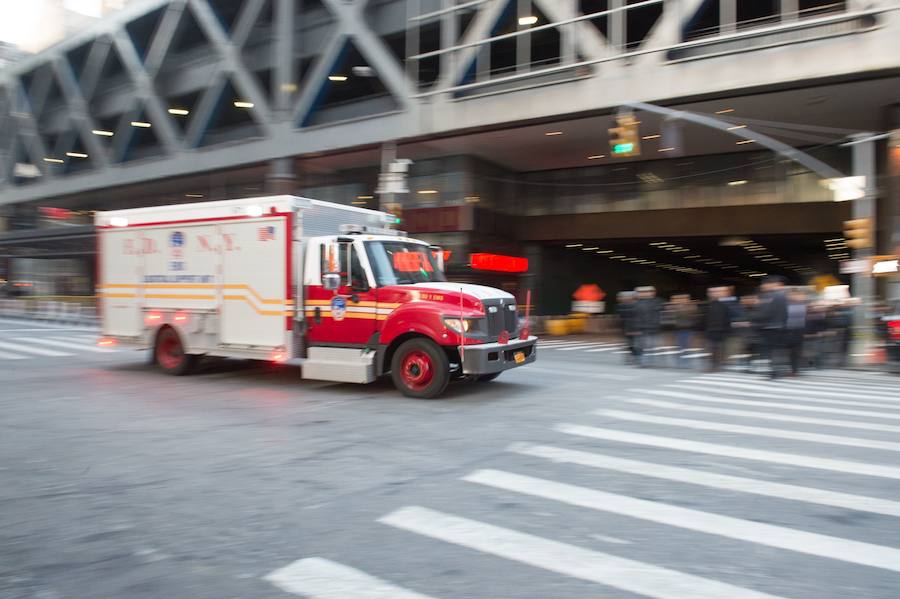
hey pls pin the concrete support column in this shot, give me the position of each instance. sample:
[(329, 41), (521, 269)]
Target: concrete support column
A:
[(727, 16), (281, 178), (568, 33), (449, 35), (523, 42), (285, 87), (617, 25)]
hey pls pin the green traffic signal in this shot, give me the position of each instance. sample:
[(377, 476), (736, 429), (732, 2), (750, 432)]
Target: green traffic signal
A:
[(623, 148)]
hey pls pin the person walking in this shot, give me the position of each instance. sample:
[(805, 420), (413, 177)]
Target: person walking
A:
[(718, 325), (648, 322), (772, 318), (795, 329), (625, 309), (683, 315)]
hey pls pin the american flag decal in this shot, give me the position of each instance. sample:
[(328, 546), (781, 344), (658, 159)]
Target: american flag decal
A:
[(267, 233)]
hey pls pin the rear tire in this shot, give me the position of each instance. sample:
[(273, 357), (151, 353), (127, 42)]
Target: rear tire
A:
[(420, 369), (487, 378), (168, 353)]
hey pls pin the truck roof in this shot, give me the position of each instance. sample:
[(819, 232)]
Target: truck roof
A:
[(256, 206)]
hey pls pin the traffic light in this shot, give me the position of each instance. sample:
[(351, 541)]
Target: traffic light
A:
[(625, 139), (858, 233)]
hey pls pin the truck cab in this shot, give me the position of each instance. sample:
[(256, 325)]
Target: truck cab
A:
[(384, 298)]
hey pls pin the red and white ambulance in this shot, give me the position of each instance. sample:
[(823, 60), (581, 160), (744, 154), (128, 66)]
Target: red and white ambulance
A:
[(281, 278)]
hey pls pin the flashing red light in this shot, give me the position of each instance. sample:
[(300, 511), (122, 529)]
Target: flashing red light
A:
[(894, 330), (278, 355), (106, 342), (153, 318), (180, 318), (498, 263), (524, 334)]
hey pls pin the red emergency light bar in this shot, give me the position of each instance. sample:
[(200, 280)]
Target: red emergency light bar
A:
[(498, 263)]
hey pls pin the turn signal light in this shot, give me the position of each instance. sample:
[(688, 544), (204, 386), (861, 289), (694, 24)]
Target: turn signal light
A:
[(180, 318), (278, 355), (106, 342)]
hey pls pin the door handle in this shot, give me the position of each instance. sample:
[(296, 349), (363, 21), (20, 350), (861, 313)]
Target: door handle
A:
[(354, 298), (318, 315)]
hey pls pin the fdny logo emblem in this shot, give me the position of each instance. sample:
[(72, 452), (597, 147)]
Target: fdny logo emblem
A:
[(176, 243), (338, 308)]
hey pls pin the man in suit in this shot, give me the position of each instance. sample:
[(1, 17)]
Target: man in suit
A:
[(718, 325), (772, 318)]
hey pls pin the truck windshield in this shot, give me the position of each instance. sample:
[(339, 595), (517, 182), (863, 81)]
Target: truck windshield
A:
[(402, 263)]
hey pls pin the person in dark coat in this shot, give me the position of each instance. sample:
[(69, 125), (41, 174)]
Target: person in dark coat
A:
[(795, 329), (718, 325), (648, 323), (772, 319), (625, 309)]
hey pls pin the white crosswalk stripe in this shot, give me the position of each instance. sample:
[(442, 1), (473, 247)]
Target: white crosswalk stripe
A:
[(870, 426), (319, 578), (783, 405), (866, 554), (6, 356), (713, 480), (19, 348), (577, 562), (759, 431), (793, 390), (58, 342), (775, 457)]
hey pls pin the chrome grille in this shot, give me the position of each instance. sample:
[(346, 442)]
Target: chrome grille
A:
[(500, 317)]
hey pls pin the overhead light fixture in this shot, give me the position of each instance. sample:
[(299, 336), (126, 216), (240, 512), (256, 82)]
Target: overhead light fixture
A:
[(76, 154), (605, 252), (617, 257), (591, 249), (596, 156), (736, 127), (358, 203), (141, 124), (693, 256), (529, 20), (655, 136), (102, 132), (54, 160), (179, 111), (365, 197), (736, 183), (472, 199), (745, 141), (666, 149), (658, 243), (337, 78), (427, 192), (552, 133), (193, 195), (242, 104), (574, 245), (725, 111)]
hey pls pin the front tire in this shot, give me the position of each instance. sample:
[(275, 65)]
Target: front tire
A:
[(420, 369), (169, 353)]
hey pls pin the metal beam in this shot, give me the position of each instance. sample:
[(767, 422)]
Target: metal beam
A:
[(245, 83), (79, 116), (40, 88), (480, 28), (317, 78), (247, 18), (283, 83), (165, 130), (27, 129), (93, 66), (203, 111), (162, 37)]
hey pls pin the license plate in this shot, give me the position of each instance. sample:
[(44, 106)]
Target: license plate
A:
[(519, 357)]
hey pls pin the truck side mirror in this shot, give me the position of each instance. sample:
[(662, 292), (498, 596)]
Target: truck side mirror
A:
[(331, 281)]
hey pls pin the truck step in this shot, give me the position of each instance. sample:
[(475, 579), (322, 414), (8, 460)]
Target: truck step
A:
[(339, 364)]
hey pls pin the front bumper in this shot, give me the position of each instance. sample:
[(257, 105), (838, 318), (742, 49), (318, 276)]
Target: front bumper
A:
[(488, 358)]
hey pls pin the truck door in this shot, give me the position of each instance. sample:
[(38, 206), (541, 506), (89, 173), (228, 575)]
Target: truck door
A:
[(346, 317)]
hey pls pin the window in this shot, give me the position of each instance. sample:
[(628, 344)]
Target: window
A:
[(402, 263)]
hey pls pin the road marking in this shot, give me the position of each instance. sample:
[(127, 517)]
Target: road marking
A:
[(585, 564), (81, 338), (775, 457), (709, 479), (869, 426), (605, 349), (38, 351), (770, 404), (758, 431), (811, 385), (586, 347), (77, 345), (770, 535), (698, 355), (320, 578), (781, 389), (6, 356), (589, 375)]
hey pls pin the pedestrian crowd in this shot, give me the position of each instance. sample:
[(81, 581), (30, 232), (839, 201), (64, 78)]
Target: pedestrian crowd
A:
[(777, 331)]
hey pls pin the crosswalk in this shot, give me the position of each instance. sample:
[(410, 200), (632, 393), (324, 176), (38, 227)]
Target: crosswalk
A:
[(615, 347), (794, 442), (56, 346)]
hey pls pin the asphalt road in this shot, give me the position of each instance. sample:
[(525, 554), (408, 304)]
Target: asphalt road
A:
[(577, 477)]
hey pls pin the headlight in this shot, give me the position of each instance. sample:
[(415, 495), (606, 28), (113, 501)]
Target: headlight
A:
[(458, 325)]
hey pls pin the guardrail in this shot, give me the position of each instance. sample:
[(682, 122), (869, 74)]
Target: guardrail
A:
[(73, 310)]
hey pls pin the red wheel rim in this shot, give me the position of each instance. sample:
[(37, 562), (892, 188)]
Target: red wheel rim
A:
[(417, 370), (169, 352)]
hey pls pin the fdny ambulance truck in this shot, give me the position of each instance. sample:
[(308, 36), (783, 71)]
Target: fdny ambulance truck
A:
[(281, 278)]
